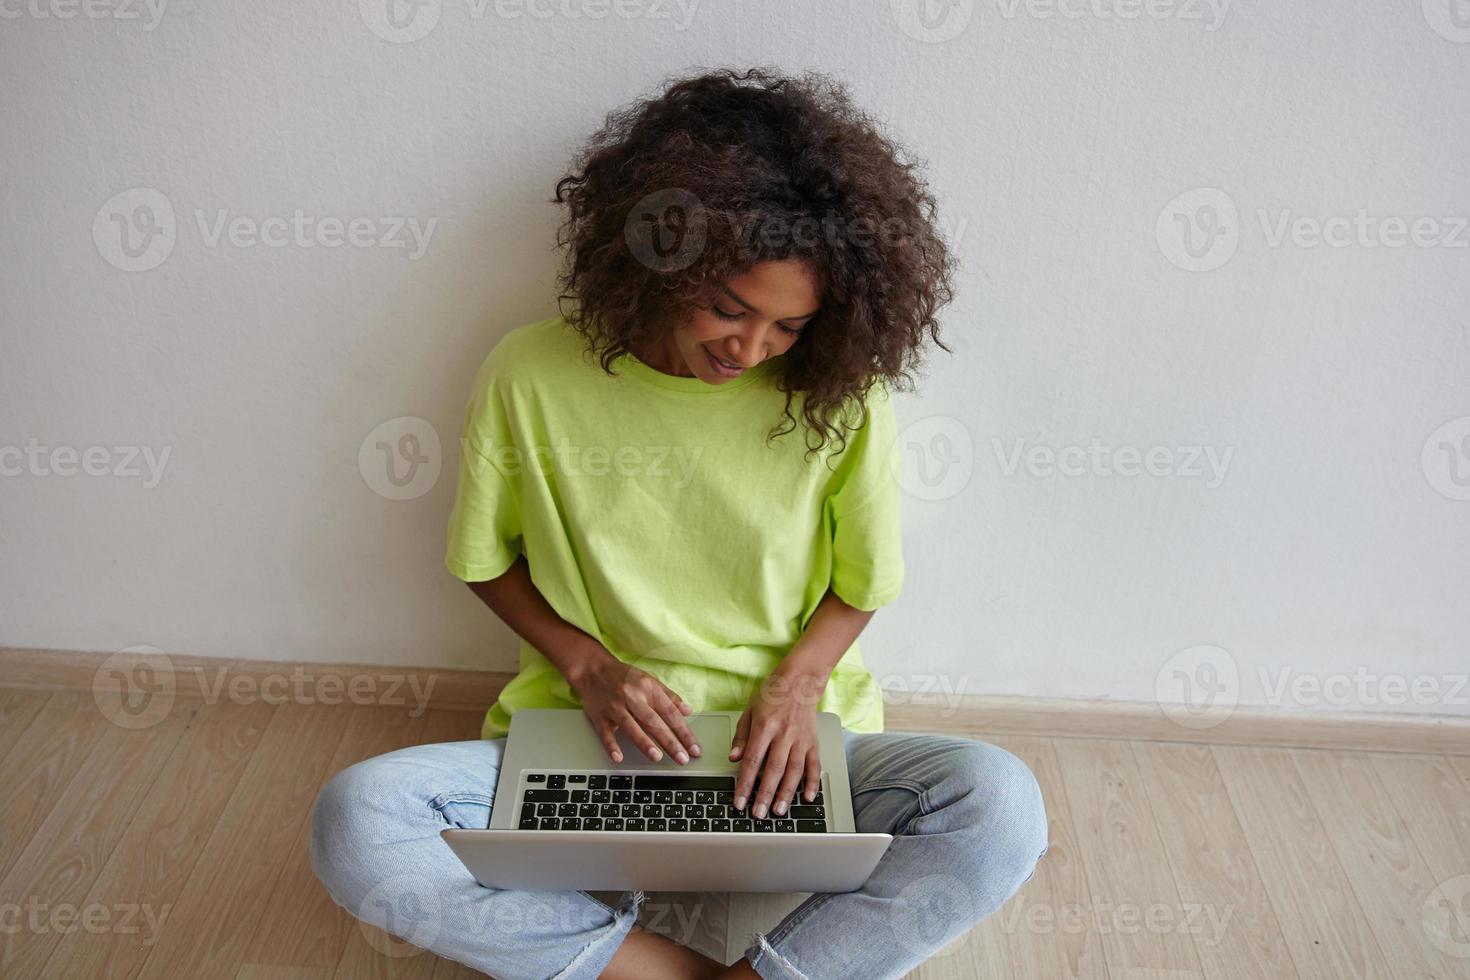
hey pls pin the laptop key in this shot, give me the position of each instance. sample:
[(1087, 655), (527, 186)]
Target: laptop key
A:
[(766, 826), (622, 796), (679, 824), (620, 782), (693, 810), (580, 777), (785, 826), (528, 823), (704, 796), (592, 823), (613, 823), (663, 796), (601, 796), (631, 810), (529, 809), (643, 796), (587, 810), (544, 809), (581, 795), (808, 812), (563, 809), (742, 826), (596, 782), (811, 826), (610, 810), (652, 810), (536, 777), (673, 810), (634, 823), (719, 825), (699, 825), (571, 823), (544, 796), (683, 796), (672, 781), (549, 823), (556, 781)]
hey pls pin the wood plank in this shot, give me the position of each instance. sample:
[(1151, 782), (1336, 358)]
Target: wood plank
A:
[(41, 765), (226, 893), (152, 863), (59, 864), (249, 972), (1226, 909), (302, 926), (1046, 930), (1121, 851), (450, 970), (17, 710), (1325, 928), (1379, 856)]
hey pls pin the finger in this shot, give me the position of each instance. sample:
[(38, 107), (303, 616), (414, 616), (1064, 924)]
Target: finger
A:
[(681, 730), (680, 703), (754, 753), (638, 736), (742, 731), (795, 769), (653, 724), (605, 736), (771, 774), (813, 774)]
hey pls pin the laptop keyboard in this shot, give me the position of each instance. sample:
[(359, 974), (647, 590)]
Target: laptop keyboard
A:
[(633, 802)]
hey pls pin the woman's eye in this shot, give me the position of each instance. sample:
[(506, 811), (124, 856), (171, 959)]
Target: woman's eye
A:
[(793, 333), (726, 316)]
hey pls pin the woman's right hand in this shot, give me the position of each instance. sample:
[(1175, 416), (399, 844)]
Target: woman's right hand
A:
[(616, 695)]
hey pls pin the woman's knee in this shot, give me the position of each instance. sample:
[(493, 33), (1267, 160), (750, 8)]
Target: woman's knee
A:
[(345, 820), (1005, 811)]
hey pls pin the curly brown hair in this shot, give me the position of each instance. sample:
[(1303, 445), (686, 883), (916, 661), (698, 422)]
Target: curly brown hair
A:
[(718, 154)]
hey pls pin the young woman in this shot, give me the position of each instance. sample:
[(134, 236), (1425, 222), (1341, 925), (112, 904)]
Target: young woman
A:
[(682, 494)]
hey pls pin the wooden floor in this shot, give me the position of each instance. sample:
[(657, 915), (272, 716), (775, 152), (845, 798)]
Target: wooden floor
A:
[(180, 850)]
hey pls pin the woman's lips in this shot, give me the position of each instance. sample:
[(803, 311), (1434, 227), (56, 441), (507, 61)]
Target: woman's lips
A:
[(724, 371)]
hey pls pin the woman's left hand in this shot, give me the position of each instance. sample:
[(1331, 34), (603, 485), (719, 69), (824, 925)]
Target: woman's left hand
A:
[(776, 739)]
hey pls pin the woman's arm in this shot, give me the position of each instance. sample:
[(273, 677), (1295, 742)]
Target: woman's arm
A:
[(516, 600), (828, 635)]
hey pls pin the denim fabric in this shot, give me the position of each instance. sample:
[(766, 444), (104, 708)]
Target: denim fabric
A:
[(968, 821)]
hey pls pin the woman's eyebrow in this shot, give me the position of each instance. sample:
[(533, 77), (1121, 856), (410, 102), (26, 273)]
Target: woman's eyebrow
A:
[(732, 294)]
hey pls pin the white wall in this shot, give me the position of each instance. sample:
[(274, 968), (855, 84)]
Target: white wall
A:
[(1338, 540)]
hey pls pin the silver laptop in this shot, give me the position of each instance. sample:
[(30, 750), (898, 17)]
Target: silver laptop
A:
[(565, 816)]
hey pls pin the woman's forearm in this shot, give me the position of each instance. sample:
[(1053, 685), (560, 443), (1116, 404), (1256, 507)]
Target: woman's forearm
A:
[(828, 635), (516, 600)]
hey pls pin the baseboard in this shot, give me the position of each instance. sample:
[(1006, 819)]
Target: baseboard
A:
[(970, 715)]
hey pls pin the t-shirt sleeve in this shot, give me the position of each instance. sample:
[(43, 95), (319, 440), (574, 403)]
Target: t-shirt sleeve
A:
[(867, 538), (485, 527)]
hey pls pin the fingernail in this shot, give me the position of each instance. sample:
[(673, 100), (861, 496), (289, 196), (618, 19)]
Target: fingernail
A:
[(682, 757), (740, 803), (760, 811), (656, 755), (781, 807), (695, 750), (617, 757)]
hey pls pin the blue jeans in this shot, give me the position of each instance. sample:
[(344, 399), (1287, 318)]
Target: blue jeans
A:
[(967, 817)]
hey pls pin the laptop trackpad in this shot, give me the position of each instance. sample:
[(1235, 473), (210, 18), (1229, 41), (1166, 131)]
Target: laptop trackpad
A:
[(713, 732)]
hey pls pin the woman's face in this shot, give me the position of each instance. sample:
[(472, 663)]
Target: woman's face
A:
[(755, 316)]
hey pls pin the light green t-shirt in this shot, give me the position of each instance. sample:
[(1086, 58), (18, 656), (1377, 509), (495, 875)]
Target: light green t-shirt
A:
[(655, 517)]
